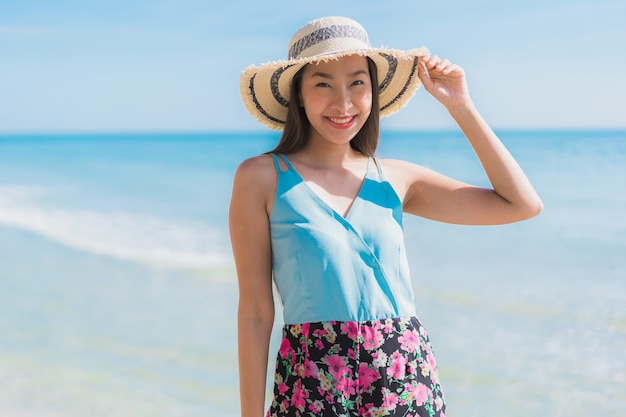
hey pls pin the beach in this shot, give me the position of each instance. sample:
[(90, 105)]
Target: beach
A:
[(119, 293)]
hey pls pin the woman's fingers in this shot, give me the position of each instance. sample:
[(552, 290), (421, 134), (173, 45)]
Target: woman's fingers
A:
[(435, 63)]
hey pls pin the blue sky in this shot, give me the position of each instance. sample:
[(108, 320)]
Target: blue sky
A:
[(174, 65)]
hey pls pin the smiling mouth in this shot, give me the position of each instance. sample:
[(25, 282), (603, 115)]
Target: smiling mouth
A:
[(341, 120)]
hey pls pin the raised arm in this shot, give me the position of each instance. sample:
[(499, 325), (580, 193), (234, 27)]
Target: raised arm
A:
[(250, 239), (438, 197)]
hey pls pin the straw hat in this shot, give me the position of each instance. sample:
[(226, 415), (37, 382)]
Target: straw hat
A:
[(265, 88)]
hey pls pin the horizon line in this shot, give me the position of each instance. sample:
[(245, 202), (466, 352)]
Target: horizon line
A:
[(164, 132)]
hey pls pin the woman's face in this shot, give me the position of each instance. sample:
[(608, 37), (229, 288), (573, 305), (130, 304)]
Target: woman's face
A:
[(337, 97)]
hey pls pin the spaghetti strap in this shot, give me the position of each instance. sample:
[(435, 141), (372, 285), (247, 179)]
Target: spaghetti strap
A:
[(276, 163), (277, 158), (378, 167), (284, 158)]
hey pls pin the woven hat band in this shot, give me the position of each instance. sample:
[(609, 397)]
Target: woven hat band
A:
[(341, 37)]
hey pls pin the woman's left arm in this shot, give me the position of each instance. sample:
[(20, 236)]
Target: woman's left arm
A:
[(433, 195)]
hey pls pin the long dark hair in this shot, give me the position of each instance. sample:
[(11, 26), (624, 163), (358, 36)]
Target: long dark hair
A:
[(298, 128)]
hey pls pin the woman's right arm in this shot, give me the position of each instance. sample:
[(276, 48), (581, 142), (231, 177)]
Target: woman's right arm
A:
[(253, 187)]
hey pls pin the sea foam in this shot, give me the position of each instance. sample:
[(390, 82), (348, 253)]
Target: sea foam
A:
[(130, 236)]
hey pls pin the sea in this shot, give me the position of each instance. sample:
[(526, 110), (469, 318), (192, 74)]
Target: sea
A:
[(118, 293)]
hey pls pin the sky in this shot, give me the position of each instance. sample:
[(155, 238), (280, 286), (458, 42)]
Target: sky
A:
[(174, 65)]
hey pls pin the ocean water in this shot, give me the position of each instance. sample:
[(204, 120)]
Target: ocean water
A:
[(118, 294)]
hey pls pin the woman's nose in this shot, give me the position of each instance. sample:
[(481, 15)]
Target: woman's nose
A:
[(342, 99)]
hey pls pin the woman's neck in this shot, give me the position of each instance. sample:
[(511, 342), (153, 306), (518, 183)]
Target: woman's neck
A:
[(322, 153)]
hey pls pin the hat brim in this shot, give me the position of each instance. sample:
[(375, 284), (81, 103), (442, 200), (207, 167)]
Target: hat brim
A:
[(265, 89)]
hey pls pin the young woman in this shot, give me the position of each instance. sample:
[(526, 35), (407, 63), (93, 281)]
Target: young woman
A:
[(323, 217)]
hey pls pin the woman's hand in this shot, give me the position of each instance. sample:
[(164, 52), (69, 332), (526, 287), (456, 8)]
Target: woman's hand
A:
[(435, 196), (444, 80)]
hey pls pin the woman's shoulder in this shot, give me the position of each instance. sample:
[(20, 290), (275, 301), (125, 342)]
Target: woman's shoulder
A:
[(257, 165), (401, 174), (259, 169), (263, 161), (255, 182), (397, 166)]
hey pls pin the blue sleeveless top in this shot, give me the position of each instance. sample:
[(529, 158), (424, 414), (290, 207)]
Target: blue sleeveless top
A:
[(329, 267)]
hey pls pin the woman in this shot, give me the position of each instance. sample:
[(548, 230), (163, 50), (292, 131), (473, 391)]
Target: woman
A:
[(323, 217)]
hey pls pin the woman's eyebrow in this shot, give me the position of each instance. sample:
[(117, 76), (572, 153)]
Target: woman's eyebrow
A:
[(322, 75), (330, 76)]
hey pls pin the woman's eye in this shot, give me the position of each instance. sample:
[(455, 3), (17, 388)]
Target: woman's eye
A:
[(358, 82), (323, 85)]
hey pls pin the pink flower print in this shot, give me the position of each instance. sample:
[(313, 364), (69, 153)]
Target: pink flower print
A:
[(316, 406), (304, 329), (380, 359), (409, 389), (388, 327), (319, 344), (284, 406), (390, 400), (330, 333), (397, 368), (439, 403), (412, 367), (352, 354), (362, 412), (372, 338), (345, 386), (337, 366), (350, 329), (422, 331), (298, 369), (298, 399), (319, 332), (409, 340), (421, 393), (282, 388), (310, 368), (432, 362), (425, 368), (285, 349), (366, 410), (367, 376)]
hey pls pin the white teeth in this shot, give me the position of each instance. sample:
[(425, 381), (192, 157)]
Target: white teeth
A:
[(340, 121)]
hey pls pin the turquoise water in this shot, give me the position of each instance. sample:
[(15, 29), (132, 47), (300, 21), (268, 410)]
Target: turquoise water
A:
[(118, 294)]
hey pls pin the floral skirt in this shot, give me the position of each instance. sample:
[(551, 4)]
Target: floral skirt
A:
[(375, 368)]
